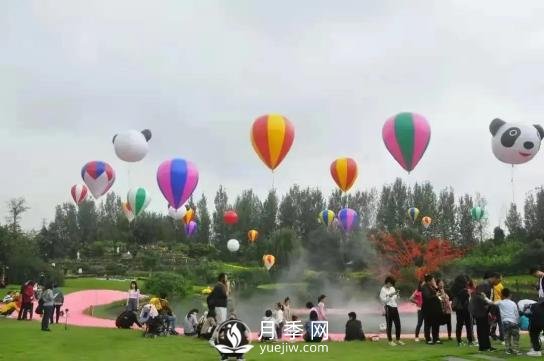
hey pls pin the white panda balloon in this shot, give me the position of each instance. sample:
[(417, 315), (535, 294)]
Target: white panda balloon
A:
[(131, 145), (515, 143)]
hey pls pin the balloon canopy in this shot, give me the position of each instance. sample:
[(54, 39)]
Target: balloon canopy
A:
[(406, 136), (233, 245), (177, 179), (515, 143), (326, 217), (230, 217), (348, 219), (176, 214), (252, 235), (426, 221), (344, 173), (272, 136), (131, 145), (138, 199), (190, 215), (191, 228), (127, 211), (79, 193), (413, 213), (269, 261), (98, 176), (477, 213)]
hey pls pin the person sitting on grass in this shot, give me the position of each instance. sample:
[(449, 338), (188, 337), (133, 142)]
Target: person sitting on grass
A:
[(308, 328), (209, 325), (354, 329), (190, 323), (167, 313), (268, 320)]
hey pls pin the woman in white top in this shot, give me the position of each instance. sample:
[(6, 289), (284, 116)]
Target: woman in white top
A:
[(321, 309), (133, 300), (389, 296), (287, 309)]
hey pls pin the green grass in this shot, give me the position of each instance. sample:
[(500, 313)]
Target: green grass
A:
[(24, 341)]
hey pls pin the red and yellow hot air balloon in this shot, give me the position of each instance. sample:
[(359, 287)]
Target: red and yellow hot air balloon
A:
[(252, 235), (272, 136), (189, 216), (269, 261), (344, 172), (426, 221)]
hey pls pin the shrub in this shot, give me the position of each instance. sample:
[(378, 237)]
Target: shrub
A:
[(167, 283)]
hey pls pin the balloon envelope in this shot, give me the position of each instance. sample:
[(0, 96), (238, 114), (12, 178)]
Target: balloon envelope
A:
[(272, 136), (191, 228), (131, 145), (127, 211), (426, 221), (515, 143), (230, 217), (177, 179), (98, 176), (348, 218), (139, 199), (233, 245), (252, 235), (344, 173), (269, 261), (79, 193), (413, 213), (190, 215), (477, 213), (177, 214), (326, 217), (406, 136)]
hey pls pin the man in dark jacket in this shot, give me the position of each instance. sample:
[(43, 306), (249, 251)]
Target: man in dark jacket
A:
[(431, 309), (218, 298), (354, 329), (479, 309)]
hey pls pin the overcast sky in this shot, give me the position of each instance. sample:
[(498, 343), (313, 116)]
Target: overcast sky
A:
[(197, 73)]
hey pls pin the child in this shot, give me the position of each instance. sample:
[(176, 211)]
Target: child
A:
[(133, 298), (190, 323), (268, 319), (388, 296), (354, 329), (509, 314)]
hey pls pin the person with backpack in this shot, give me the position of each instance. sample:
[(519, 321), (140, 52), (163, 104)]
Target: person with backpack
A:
[(59, 301), (217, 299), (461, 297)]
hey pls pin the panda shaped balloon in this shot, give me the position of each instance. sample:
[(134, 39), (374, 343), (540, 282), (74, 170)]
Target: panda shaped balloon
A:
[(515, 143), (131, 145)]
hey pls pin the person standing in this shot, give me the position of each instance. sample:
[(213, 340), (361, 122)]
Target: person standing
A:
[(432, 310), (27, 301), (280, 321), (58, 302), (540, 275), (461, 298), (287, 309), (389, 296), (494, 310), (321, 308), (133, 299), (417, 299), (479, 308), (48, 299), (509, 313), (218, 298), (446, 307)]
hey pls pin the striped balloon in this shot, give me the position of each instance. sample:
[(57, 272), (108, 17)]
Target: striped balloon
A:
[(138, 199), (127, 211), (344, 173), (269, 261), (79, 193), (426, 221), (191, 228), (413, 213), (477, 213), (252, 235), (98, 176), (177, 179), (326, 217), (406, 136), (348, 219), (272, 136)]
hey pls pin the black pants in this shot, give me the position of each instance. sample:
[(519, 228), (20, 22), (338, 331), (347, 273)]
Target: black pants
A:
[(482, 330), (464, 319), (26, 308), (56, 311), (392, 315), (447, 321), (46, 316), (498, 324), (431, 329), (419, 322), (534, 333)]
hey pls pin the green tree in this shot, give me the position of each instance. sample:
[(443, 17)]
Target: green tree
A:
[(204, 222), (221, 202), (269, 218), (16, 207), (513, 221), (465, 222), (445, 222)]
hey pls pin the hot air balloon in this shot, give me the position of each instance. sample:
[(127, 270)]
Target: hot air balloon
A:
[(477, 213), (406, 136), (230, 217), (191, 228), (344, 173), (98, 176), (190, 215), (131, 145), (413, 213), (348, 219), (252, 235), (326, 217), (272, 136), (177, 179), (515, 143), (233, 245), (269, 261), (426, 221), (139, 199), (79, 193), (177, 214), (127, 211)]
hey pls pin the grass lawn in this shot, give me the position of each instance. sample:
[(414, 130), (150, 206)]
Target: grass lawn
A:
[(24, 341)]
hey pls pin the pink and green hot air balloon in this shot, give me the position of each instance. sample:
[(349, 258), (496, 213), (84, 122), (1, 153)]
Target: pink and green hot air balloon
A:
[(348, 219), (177, 179), (406, 136)]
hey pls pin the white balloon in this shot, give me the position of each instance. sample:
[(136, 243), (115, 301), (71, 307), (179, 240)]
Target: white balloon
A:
[(233, 245), (177, 214), (131, 145), (515, 143)]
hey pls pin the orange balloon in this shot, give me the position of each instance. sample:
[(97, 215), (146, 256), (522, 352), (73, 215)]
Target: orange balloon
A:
[(426, 221), (272, 136), (344, 173), (269, 261), (252, 235), (189, 216)]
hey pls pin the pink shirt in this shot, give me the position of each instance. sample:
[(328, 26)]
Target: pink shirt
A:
[(417, 297), (321, 311)]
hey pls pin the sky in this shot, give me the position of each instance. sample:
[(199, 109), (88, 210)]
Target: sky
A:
[(197, 73)]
